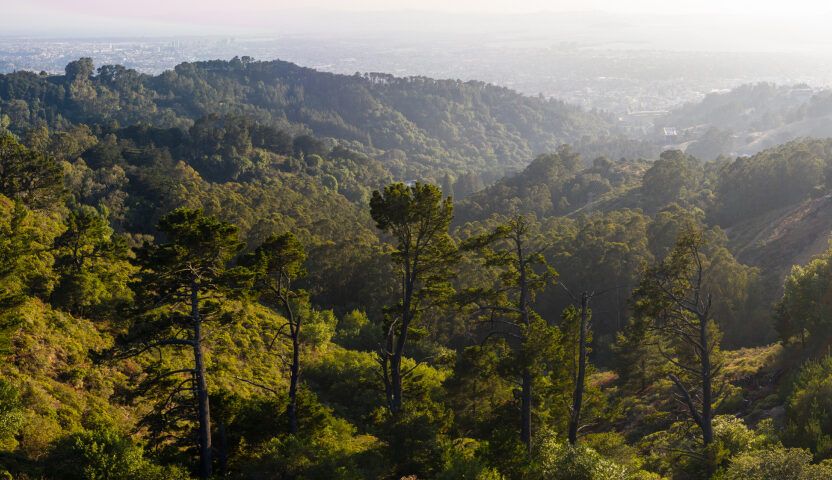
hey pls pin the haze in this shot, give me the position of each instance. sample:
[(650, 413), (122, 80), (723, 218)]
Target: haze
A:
[(742, 25)]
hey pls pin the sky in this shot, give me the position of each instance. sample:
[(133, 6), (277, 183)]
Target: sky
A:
[(183, 10), (756, 22)]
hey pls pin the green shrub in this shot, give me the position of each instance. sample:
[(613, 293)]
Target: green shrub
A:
[(11, 415), (809, 409), (776, 464), (556, 460), (461, 463), (104, 455)]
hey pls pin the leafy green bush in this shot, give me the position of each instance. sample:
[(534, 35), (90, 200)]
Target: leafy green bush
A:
[(809, 409), (461, 463), (105, 455), (557, 460), (11, 415), (776, 464), (318, 327)]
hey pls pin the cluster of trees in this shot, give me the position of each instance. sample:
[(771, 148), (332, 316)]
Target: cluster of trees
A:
[(197, 291), (419, 127), (178, 288), (230, 296)]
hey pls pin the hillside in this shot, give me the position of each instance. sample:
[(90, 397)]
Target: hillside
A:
[(186, 293), (419, 128), (793, 237), (748, 119)]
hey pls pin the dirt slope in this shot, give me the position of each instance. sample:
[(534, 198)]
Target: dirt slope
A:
[(792, 238)]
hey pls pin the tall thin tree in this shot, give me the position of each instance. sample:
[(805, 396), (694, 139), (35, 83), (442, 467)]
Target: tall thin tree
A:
[(418, 219), (276, 264), (674, 301), (523, 271), (180, 286)]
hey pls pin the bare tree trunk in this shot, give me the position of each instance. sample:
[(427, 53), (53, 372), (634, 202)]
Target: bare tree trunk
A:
[(580, 378), (222, 456), (203, 409), (291, 409), (384, 362), (707, 395), (398, 351), (396, 382), (526, 410)]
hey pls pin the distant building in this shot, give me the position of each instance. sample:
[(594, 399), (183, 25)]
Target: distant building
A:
[(670, 131)]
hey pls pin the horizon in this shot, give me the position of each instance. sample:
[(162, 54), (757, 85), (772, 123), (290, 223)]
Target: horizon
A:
[(740, 26)]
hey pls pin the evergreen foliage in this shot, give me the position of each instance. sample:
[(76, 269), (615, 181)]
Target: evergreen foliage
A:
[(151, 290)]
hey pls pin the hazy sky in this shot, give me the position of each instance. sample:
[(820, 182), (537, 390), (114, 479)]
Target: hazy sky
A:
[(183, 8), (765, 23)]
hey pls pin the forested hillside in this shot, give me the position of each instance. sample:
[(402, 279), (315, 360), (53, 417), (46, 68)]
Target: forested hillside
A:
[(195, 286), (420, 128)]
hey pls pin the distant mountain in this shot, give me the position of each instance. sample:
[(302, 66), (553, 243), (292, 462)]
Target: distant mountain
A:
[(420, 128)]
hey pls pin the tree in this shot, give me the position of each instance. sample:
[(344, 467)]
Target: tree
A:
[(91, 262), (670, 178), (105, 454), (25, 264), (80, 69), (418, 219), (508, 305), (777, 464), (29, 175), (580, 375), (182, 282), (809, 401), (672, 297), (276, 264), (806, 305)]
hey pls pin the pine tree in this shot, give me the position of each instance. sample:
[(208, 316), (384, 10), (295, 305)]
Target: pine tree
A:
[(276, 264), (517, 256), (418, 219), (180, 288)]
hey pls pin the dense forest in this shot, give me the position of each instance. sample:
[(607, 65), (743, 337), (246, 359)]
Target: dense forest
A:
[(420, 128), (255, 270)]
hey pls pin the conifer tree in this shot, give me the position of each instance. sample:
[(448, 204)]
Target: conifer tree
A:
[(512, 250), (180, 287), (674, 301), (276, 264), (90, 261), (418, 219)]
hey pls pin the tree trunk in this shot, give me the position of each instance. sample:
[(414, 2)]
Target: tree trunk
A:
[(222, 455), (396, 382), (203, 409), (398, 352), (526, 411), (580, 378), (707, 396), (291, 409), (526, 394)]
